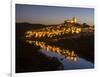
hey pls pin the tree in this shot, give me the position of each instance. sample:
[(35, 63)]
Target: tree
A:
[(78, 25), (85, 25)]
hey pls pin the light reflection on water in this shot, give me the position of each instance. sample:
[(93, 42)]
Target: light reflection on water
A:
[(69, 64), (68, 54), (68, 58)]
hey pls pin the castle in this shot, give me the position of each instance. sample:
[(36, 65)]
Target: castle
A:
[(73, 20)]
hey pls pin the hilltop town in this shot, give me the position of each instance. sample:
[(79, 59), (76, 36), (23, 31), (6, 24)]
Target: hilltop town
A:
[(70, 28)]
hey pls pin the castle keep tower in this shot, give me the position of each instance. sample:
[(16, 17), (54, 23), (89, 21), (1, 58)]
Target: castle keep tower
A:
[(74, 20)]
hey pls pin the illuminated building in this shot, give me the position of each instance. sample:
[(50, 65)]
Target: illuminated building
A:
[(70, 21)]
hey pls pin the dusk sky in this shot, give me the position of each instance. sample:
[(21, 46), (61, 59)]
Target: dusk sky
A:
[(52, 15)]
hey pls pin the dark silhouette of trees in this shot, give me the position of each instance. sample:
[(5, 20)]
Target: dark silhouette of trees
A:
[(85, 25)]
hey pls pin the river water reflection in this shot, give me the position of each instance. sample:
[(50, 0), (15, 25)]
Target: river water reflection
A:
[(67, 57)]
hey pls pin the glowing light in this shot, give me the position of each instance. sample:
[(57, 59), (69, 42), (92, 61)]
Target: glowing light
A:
[(70, 55)]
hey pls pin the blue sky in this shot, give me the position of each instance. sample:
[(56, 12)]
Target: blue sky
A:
[(52, 14)]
